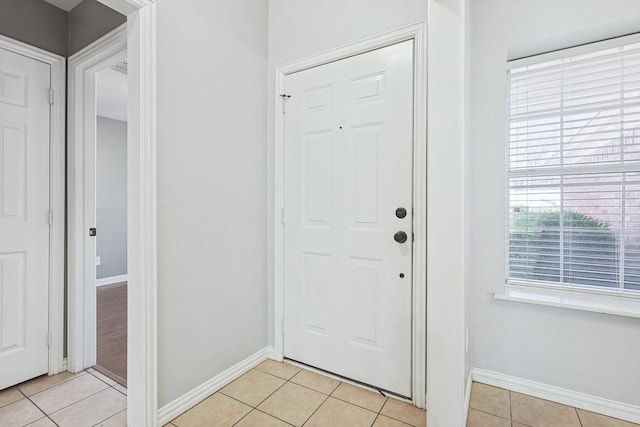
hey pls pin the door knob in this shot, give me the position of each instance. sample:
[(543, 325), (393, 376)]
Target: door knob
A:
[(400, 237)]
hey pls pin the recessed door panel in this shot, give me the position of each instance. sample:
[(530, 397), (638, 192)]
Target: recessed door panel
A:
[(24, 226), (348, 167)]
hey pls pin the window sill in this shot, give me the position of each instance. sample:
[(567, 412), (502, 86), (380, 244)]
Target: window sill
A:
[(620, 304)]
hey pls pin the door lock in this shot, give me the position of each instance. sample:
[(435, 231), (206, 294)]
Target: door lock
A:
[(92, 232), (400, 237), (401, 212)]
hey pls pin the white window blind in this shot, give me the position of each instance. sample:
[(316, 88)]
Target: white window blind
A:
[(573, 167)]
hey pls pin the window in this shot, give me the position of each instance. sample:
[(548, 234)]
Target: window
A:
[(573, 168)]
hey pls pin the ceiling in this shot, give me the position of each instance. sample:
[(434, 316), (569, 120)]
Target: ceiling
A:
[(64, 4), (112, 94)]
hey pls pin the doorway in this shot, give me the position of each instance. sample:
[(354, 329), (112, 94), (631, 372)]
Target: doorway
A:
[(348, 217), (362, 88), (111, 221)]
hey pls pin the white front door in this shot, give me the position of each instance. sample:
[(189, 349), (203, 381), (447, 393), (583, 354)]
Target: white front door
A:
[(348, 176), (24, 224)]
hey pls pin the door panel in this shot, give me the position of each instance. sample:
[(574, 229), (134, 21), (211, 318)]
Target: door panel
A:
[(348, 166), (24, 228)]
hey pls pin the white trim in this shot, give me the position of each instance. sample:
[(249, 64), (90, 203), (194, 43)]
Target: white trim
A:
[(142, 337), (416, 32), (578, 298), (56, 194), (142, 381), (198, 394), (467, 395), (81, 280), (112, 280), (576, 399)]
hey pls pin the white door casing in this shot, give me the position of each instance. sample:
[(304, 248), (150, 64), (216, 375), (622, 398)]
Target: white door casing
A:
[(348, 166), (24, 217)]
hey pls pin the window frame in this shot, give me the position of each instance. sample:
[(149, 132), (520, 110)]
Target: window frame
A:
[(581, 297)]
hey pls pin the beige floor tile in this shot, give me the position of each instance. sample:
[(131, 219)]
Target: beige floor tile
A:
[(118, 420), (404, 412), (217, 410), (260, 419), (120, 388), (490, 399), (10, 395), (92, 410), (482, 419), (383, 421), (42, 422), (282, 370), (292, 403), (20, 413), (514, 424), (336, 413), (541, 413), (67, 393), (359, 396), (591, 419), (253, 387), (102, 377), (318, 382), (44, 382)]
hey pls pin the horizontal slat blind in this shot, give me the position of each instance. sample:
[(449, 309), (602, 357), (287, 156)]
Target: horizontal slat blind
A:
[(573, 170)]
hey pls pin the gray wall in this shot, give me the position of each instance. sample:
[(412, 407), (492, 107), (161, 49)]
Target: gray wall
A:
[(212, 110), (111, 204), (40, 24), (592, 353), (89, 21), (36, 23)]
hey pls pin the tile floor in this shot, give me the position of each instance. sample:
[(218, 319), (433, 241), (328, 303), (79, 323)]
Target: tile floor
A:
[(272, 395), (279, 394), (496, 407), (84, 399)]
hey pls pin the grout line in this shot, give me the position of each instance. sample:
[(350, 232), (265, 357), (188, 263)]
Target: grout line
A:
[(578, 415), (510, 407), (109, 417), (73, 377), (493, 415), (71, 404), (314, 412)]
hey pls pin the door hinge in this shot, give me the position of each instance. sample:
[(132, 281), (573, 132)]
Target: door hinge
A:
[(282, 327), (50, 218), (282, 216), (51, 97), (49, 339), (283, 100)]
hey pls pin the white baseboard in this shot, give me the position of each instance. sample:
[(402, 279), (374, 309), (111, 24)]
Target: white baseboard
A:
[(467, 394), (584, 401), (198, 394), (112, 280)]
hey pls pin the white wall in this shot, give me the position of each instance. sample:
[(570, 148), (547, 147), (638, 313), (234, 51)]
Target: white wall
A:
[(111, 197), (582, 351), (212, 303)]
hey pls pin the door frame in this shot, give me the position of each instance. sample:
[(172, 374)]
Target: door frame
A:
[(56, 195), (81, 210), (142, 378), (416, 32)]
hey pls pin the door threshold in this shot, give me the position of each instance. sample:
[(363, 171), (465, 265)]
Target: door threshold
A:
[(117, 378), (383, 392)]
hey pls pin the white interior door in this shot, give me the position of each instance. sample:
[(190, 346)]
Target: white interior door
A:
[(348, 168), (24, 224)]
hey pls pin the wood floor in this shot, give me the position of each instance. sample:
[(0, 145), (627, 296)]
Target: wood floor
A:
[(112, 331)]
